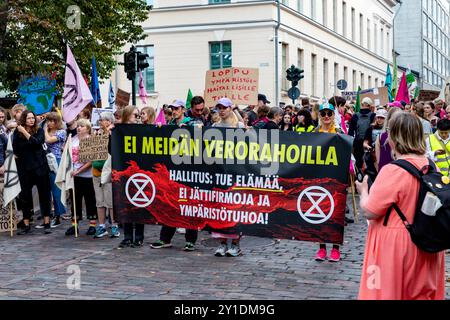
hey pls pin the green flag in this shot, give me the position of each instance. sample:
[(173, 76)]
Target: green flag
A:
[(358, 101), (188, 99)]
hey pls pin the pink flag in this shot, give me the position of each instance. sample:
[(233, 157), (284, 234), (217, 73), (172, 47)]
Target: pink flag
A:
[(403, 93), (76, 92), (142, 92), (160, 119)]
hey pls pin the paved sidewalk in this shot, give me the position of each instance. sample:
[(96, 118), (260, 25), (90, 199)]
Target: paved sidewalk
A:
[(36, 267)]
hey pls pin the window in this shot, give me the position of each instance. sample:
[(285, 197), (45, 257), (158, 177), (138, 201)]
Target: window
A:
[(314, 74), (284, 64), (325, 12), (335, 15), (218, 1), (344, 19), (363, 84), (346, 74), (336, 77), (382, 42), (353, 25), (375, 38), (300, 6), (369, 39), (325, 78), (355, 85), (301, 65), (220, 54), (313, 9), (149, 73), (425, 52), (361, 30), (370, 82), (376, 83)]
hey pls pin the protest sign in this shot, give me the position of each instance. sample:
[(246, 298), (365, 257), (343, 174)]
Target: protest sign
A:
[(94, 148), (5, 213), (349, 95), (286, 186), (240, 85), (122, 99), (428, 95), (37, 93), (379, 96), (95, 118)]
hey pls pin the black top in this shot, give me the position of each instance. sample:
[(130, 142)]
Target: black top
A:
[(271, 125), (252, 117), (354, 121), (30, 154)]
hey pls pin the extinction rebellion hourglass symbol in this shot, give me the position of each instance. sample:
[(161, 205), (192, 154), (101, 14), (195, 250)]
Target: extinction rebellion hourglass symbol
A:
[(141, 183), (314, 197)]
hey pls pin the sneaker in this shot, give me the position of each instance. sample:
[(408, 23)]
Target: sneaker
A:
[(137, 244), (234, 251), (25, 230), (125, 244), (41, 226), (335, 255), (321, 254), (47, 229), (71, 231), (221, 250), (100, 232), (91, 231), (160, 244), (55, 222), (181, 230), (21, 224), (189, 246), (115, 233)]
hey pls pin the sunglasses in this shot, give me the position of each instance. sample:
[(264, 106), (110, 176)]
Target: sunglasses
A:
[(137, 115), (327, 113)]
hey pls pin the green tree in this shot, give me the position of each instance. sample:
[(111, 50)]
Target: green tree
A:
[(34, 35)]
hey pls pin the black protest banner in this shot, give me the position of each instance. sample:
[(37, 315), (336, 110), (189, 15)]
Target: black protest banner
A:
[(261, 183)]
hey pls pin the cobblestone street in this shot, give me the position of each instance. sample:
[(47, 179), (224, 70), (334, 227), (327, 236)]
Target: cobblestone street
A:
[(38, 267)]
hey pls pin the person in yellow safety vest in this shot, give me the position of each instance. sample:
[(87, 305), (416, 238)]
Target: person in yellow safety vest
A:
[(438, 146), (303, 122)]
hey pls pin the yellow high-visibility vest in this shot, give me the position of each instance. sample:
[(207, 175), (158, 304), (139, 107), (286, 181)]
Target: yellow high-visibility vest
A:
[(443, 160)]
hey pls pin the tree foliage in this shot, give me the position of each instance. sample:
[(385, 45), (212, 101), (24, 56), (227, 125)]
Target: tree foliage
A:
[(34, 35)]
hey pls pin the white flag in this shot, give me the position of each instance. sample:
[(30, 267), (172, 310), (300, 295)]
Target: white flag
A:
[(64, 179), (12, 184)]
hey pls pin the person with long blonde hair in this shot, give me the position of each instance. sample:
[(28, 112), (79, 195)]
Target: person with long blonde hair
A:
[(148, 115)]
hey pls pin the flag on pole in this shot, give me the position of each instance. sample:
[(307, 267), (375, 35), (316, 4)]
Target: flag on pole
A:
[(142, 92), (358, 100), (388, 82), (12, 184), (95, 87), (111, 96), (76, 91), (403, 93), (395, 78), (64, 179), (412, 84), (188, 99), (160, 118)]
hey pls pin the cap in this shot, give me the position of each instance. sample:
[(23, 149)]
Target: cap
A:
[(396, 104), (225, 102), (178, 103), (381, 113), (367, 100), (263, 98), (326, 106)]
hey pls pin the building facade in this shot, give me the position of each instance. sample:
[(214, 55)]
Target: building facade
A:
[(329, 39), (428, 21)]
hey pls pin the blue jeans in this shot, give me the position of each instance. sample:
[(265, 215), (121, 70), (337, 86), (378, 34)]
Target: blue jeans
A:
[(60, 209)]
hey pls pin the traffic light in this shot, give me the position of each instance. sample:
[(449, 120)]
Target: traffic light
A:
[(294, 75), (130, 64), (142, 61)]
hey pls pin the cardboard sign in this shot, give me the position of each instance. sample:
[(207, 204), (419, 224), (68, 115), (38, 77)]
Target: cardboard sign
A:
[(122, 99), (379, 96), (240, 85), (95, 118), (5, 217), (428, 95), (94, 148)]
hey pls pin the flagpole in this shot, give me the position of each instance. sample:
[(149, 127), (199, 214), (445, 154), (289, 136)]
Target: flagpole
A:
[(11, 218)]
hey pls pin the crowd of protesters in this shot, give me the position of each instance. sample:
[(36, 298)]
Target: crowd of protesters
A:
[(33, 136)]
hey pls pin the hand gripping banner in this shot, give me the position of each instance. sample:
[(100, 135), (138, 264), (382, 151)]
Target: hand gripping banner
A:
[(262, 183)]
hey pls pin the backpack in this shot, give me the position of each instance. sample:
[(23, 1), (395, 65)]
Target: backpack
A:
[(430, 231), (362, 125)]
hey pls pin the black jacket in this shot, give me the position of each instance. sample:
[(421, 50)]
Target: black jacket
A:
[(30, 154)]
